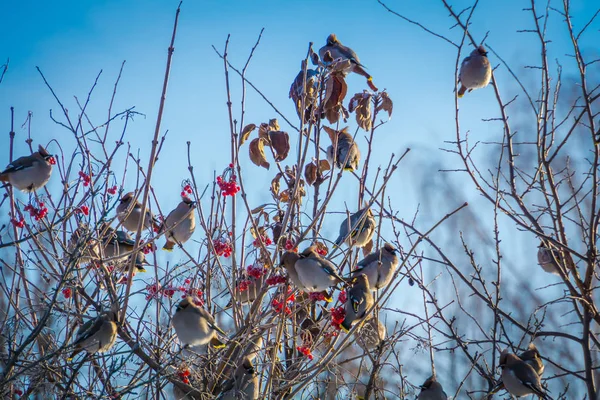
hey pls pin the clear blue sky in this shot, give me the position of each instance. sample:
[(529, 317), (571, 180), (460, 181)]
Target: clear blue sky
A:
[(72, 41)]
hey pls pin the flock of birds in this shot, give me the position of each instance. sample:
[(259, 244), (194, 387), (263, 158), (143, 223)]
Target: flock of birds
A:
[(308, 271)]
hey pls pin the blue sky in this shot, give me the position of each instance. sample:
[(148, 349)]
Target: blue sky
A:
[(72, 41)]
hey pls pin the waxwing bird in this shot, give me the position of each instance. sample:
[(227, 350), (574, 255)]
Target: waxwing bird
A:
[(475, 71), (96, 335), (180, 224), (431, 389), (129, 212), (530, 356), (316, 273), (243, 385), (118, 247), (370, 334), (379, 266), (360, 300), (362, 225), (82, 241), (347, 155), (520, 378), (334, 50), (29, 173), (194, 325), (288, 261), (548, 256)]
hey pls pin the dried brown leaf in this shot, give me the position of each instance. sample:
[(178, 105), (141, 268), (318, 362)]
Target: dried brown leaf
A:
[(258, 209), (280, 142), (368, 248), (257, 153), (248, 129), (324, 165), (275, 185), (310, 173), (285, 196), (335, 92), (274, 124), (386, 104)]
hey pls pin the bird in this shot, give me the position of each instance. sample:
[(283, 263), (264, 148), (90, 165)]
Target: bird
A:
[(97, 335), (359, 301), (179, 224), (118, 247), (362, 224), (547, 257), (431, 389), (370, 334), (288, 261), (335, 50), (530, 356), (475, 71), (247, 290), (29, 173), (316, 273), (298, 91), (129, 212), (520, 378), (243, 385), (379, 266), (195, 326), (347, 156), (82, 239)]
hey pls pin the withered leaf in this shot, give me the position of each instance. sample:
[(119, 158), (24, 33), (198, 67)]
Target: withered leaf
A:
[(257, 153), (310, 173), (275, 185), (324, 165), (258, 209), (263, 131), (386, 104), (361, 105), (335, 92), (274, 124), (280, 142), (368, 248), (255, 234), (285, 196), (331, 132), (248, 129)]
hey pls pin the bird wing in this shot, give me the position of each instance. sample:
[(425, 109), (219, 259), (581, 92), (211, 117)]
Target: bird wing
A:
[(329, 268), (211, 321), (88, 329), (19, 164), (367, 260), (124, 238)]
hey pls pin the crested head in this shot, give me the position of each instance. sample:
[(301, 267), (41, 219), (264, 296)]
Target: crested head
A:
[(482, 51), (428, 382), (310, 251), (110, 316), (506, 358), (390, 248), (532, 347), (185, 303), (127, 197), (361, 279), (289, 258), (187, 201), (43, 152), (332, 39)]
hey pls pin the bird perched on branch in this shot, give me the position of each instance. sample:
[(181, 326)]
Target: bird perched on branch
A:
[(530, 356), (548, 256), (359, 301), (288, 261), (335, 50), (361, 227), (370, 334), (379, 266), (298, 91), (347, 154), (118, 246), (520, 378), (179, 224), (82, 239), (475, 71), (96, 335), (129, 212), (431, 389), (314, 272), (29, 173), (195, 326), (243, 385)]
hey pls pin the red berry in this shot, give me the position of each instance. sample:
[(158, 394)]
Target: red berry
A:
[(67, 293)]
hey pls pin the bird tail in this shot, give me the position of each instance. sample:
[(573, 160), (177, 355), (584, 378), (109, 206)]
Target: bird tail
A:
[(461, 91), (339, 240), (346, 325), (327, 297), (74, 353), (371, 84), (216, 343), (169, 246)]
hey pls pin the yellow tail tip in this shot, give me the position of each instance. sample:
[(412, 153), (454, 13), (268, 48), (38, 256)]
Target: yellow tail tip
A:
[(328, 299), (69, 358), (141, 269), (218, 346), (460, 96), (167, 248)]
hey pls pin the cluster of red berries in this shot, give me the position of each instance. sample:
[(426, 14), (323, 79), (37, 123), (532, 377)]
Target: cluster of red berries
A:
[(322, 250), (223, 248), (112, 191), (338, 315), (20, 223), (156, 289), (67, 293), (255, 272), (278, 305), (243, 285), (317, 296), (187, 189), (148, 248), (52, 161), (276, 280), (84, 210), (289, 246), (37, 212), (305, 351), (264, 239), (184, 375), (342, 297), (85, 177), (19, 392), (228, 182)]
